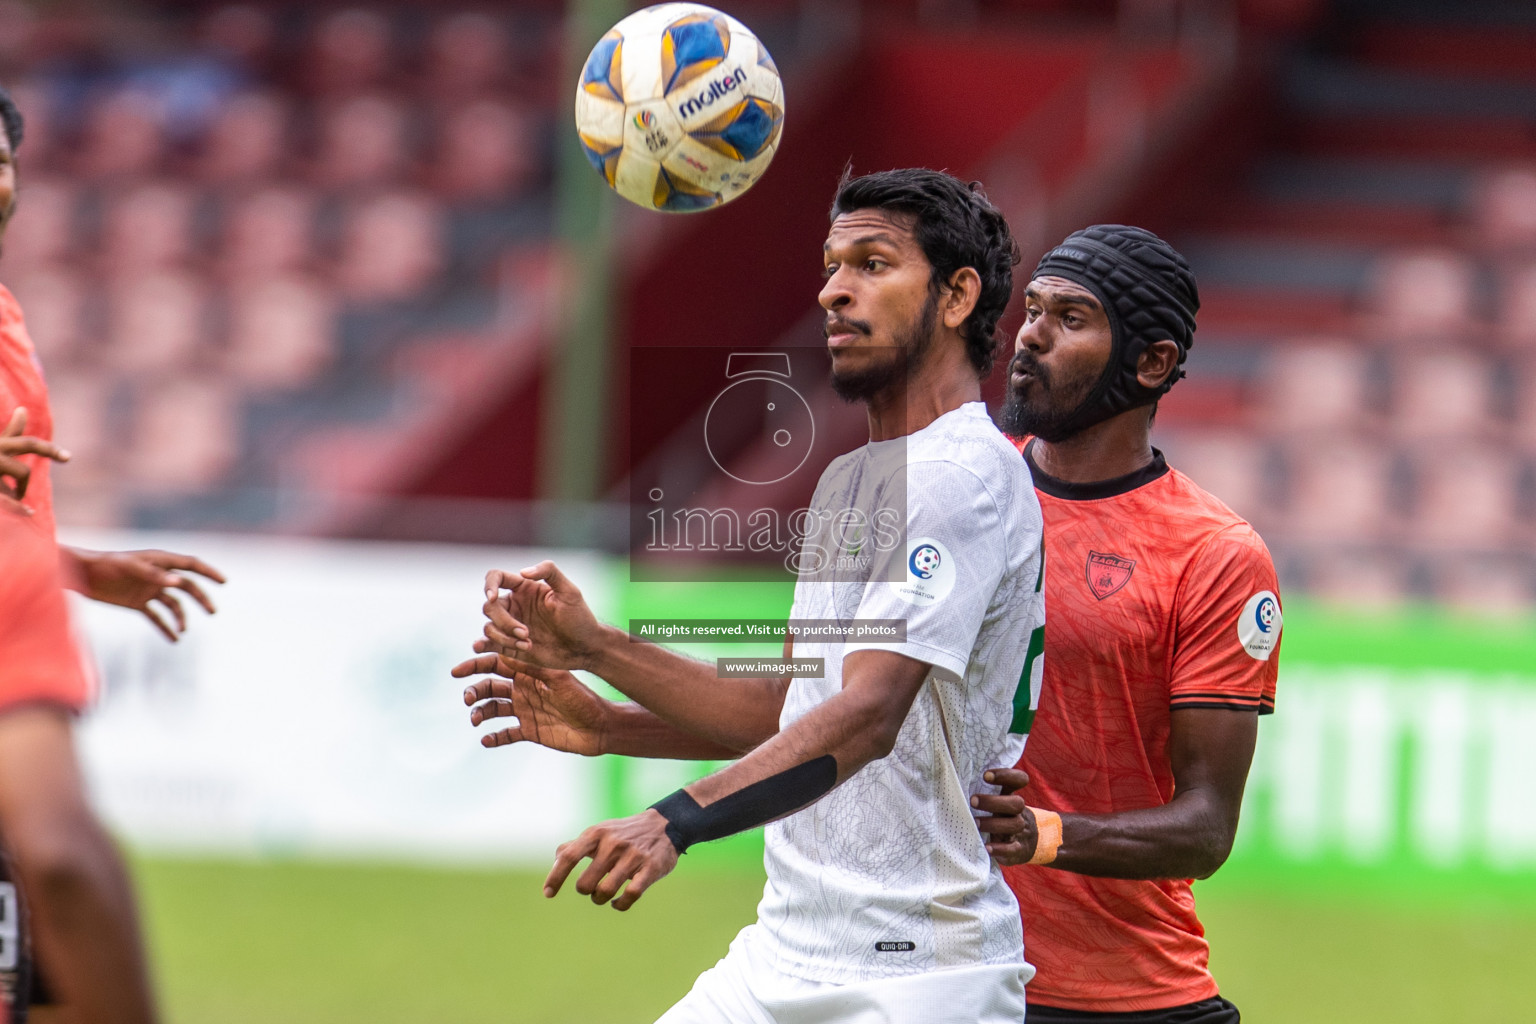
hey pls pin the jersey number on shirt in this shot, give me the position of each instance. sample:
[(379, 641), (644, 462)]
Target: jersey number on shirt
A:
[(1026, 696)]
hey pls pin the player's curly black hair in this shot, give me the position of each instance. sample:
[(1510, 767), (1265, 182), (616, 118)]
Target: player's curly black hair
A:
[(956, 226), (10, 114)]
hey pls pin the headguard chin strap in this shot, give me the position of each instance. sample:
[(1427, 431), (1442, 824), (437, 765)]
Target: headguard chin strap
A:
[(1149, 294)]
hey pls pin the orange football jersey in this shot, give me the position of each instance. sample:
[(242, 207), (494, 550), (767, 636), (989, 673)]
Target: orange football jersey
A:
[(39, 661), (1157, 597), (21, 385)]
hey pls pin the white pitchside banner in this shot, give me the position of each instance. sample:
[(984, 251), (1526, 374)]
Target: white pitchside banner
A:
[(314, 715)]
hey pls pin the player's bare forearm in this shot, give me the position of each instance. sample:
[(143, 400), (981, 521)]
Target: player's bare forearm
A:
[(82, 904), (635, 731), (1190, 836), (854, 727), (737, 714)]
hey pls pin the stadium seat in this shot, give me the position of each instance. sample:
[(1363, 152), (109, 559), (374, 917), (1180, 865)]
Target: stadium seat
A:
[(1505, 210), (467, 58), (1420, 296), (81, 403), (248, 140), (1517, 306), (54, 303), (1465, 496), (46, 235), (267, 232), (156, 322), (122, 138), (282, 332), (391, 247), (485, 151), (1312, 385), (185, 434), (362, 142), (1487, 584), (350, 52), (147, 228), (1442, 394), (37, 103), (1357, 580), (1340, 489), (241, 32)]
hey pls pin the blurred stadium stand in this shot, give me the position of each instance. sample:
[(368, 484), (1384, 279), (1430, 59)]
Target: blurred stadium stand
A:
[(300, 262)]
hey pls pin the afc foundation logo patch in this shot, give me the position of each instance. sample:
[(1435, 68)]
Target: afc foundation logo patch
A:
[(1107, 573)]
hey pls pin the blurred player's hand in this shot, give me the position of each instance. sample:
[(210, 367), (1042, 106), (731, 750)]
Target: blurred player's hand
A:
[(553, 708), (1009, 827), (540, 618), (14, 442), (146, 581), (634, 849)]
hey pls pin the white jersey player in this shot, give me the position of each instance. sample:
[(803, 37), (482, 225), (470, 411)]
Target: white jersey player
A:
[(882, 902)]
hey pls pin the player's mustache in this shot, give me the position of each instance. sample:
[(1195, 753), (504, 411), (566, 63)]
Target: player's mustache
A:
[(1027, 362), (837, 324)]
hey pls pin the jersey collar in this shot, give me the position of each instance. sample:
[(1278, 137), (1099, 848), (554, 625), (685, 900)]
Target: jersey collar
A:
[(1068, 491)]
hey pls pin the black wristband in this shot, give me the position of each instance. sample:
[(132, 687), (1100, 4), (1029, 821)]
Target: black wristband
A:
[(761, 802)]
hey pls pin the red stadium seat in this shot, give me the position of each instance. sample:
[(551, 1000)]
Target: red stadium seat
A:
[(54, 300), (1313, 385), (156, 322), (1442, 394), (350, 52), (282, 332), (392, 247), (1340, 490), (1231, 466), (1420, 296), (147, 228), (1517, 307), (248, 140), (1357, 580), (122, 138), (486, 151), (46, 235), (467, 58), (362, 142), (1467, 496), (268, 232), (185, 434), (1505, 215)]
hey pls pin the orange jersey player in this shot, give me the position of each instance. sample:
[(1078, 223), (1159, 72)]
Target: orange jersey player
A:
[(80, 905), (146, 581), (1163, 623)]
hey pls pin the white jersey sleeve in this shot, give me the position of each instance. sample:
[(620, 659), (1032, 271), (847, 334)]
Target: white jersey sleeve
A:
[(943, 579)]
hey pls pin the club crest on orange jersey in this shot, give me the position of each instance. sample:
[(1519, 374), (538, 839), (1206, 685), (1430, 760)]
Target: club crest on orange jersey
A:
[(1107, 573)]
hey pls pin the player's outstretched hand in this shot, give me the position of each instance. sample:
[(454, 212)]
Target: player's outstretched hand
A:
[(1009, 827), (553, 708), (540, 618), (634, 850), (14, 443), (146, 581)]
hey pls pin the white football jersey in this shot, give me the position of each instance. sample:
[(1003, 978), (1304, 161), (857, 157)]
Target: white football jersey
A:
[(887, 874)]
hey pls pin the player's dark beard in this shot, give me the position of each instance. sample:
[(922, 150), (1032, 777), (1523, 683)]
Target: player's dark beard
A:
[(902, 359), (1050, 410)]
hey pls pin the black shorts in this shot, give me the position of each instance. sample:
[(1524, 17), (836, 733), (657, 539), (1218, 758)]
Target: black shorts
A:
[(1215, 1010)]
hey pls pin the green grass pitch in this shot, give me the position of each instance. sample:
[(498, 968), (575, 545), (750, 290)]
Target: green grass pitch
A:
[(306, 942)]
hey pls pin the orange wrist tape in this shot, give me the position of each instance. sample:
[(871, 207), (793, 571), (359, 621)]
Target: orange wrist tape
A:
[(1047, 836)]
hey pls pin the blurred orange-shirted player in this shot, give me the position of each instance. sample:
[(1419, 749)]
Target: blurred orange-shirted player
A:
[(1162, 626), (81, 906)]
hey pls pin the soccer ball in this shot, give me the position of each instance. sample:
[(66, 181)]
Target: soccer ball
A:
[(679, 108)]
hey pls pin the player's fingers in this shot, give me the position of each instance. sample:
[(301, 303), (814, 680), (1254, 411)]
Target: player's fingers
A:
[(647, 874), (1001, 805), (482, 689), (35, 446), (506, 642), (548, 572), (150, 614), (19, 472), (604, 859), (190, 587), (622, 871), (567, 856), (476, 666), (493, 583), (503, 737), (173, 605), (504, 620), (186, 563), (1009, 779), (487, 710), (1002, 828)]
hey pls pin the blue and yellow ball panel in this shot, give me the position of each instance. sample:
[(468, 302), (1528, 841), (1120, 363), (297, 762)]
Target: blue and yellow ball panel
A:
[(603, 75), (744, 131), (677, 196), (764, 60), (602, 156), (690, 47)]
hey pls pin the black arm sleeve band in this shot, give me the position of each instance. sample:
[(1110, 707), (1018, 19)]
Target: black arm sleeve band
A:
[(748, 807)]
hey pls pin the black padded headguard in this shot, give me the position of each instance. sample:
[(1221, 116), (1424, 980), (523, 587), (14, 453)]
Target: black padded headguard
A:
[(1148, 293)]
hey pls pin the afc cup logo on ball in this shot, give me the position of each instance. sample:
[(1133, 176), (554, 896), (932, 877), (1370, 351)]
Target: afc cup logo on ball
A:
[(1265, 614), (924, 561), (644, 120)]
